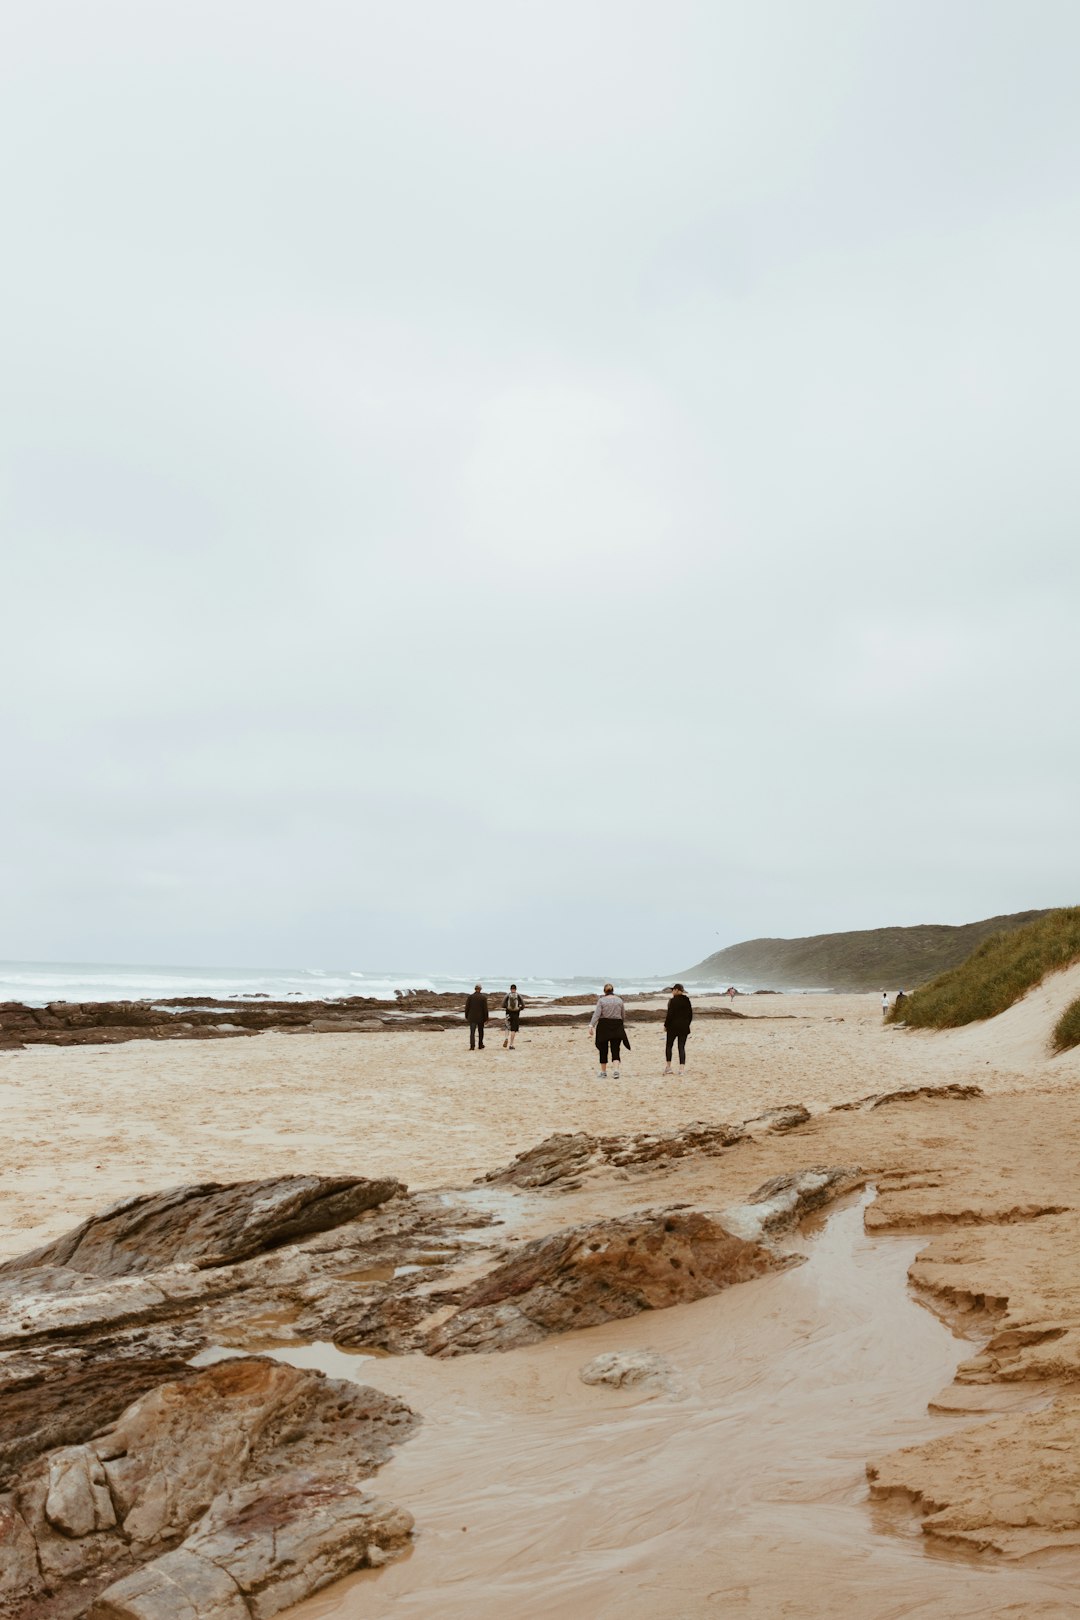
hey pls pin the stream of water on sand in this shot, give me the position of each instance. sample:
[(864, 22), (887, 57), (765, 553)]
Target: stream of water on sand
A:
[(743, 1493)]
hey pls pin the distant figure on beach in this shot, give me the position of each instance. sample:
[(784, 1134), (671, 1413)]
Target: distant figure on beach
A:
[(677, 1021), (901, 997), (476, 1012), (884, 1003), (512, 1005), (608, 1022)]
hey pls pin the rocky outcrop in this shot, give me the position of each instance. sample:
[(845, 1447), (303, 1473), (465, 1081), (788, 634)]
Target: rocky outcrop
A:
[(235, 1457), (779, 1120), (882, 1099), (599, 1273), (261, 1549), (782, 1202), (132, 1480), (62, 1395), (561, 1160), (208, 1225)]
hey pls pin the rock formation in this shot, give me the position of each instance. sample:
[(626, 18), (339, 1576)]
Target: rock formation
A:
[(207, 1225), (138, 1482), (598, 1273), (218, 1465)]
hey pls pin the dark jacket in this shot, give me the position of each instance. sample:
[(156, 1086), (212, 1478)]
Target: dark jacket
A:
[(679, 1015), (476, 1009)]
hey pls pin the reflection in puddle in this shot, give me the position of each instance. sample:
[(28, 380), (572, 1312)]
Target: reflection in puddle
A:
[(335, 1360), (742, 1494)]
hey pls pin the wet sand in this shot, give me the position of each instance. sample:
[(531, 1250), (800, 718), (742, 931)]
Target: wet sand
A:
[(539, 1496)]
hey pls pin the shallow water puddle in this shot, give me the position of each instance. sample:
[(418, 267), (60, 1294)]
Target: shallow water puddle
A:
[(741, 1494)]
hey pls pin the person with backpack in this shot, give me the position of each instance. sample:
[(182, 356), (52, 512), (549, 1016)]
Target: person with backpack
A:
[(512, 1005), (677, 1021), (476, 1014)]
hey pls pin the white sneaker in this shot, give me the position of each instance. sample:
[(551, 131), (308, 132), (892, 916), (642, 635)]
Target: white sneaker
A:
[(668, 1069), (614, 1074)]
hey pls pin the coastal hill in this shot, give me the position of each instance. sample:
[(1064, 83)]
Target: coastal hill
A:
[(865, 959)]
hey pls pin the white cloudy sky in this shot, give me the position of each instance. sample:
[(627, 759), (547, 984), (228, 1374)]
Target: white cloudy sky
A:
[(557, 485)]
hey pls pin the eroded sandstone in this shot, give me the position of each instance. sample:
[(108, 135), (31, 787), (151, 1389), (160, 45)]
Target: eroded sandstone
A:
[(84, 1516)]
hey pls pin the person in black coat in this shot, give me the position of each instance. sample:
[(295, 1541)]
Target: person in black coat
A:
[(476, 1013), (677, 1021)]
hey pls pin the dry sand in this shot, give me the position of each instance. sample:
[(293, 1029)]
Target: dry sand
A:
[(744, 1492), (84, 1126)]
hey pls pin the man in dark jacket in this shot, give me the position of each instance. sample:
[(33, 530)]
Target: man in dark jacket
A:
[(476, 1012), (677, 1021)]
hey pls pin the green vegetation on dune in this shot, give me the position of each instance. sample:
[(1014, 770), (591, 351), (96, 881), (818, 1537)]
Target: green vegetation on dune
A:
[(1002, 969), (1067, 1029), (866, 959)]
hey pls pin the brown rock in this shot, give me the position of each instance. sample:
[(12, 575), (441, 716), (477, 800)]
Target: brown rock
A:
[(207, 1225), (598, 1273), (881, 1099), (136, 1491), (261, 1549), (565, 1158)]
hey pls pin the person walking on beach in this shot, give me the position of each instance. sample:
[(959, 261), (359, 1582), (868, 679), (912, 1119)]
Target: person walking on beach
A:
[(476, 1012), (884, 1004), (608, 1022), (512, 1005), (677, 1021)]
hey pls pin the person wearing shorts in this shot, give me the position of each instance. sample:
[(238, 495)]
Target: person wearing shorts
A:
[(677, 1021), (608, 1024)]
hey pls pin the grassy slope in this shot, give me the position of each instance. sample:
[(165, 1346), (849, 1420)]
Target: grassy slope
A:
[(870, 959), (1067, 1028), (996, 975)]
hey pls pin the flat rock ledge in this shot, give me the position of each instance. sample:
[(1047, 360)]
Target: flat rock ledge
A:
[(560, 1161), (1010, 1486)]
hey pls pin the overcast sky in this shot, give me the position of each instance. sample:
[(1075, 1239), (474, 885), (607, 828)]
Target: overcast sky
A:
[(556, 486)]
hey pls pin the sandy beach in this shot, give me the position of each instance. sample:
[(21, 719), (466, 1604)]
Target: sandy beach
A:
[(535, 1495), (86, 1126)]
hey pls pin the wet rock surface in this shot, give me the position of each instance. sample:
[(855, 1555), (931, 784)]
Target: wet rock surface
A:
[(635, 1369), (599, 1273)]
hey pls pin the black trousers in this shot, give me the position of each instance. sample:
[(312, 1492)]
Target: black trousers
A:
[(672, 1036), (474, 1031), (609, 1033)]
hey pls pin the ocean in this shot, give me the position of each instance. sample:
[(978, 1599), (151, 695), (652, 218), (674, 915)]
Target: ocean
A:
[(35, 983)]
